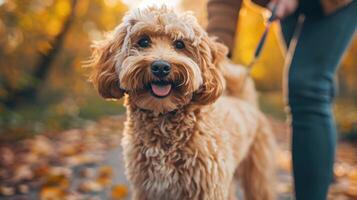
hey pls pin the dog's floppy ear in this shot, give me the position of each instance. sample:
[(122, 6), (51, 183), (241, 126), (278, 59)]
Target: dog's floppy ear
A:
[(210, 55), (104, 60)]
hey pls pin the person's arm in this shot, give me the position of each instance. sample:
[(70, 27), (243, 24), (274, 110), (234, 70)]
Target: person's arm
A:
[(223, 16), (222, 20)]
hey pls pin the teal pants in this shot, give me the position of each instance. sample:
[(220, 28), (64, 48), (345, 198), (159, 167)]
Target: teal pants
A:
[(321, 45)]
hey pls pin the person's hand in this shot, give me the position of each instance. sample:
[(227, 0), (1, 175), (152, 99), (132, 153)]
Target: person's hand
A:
[(284, 7)]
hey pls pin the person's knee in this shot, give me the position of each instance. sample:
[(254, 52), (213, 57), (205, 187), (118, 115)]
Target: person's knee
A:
[(309, 94)]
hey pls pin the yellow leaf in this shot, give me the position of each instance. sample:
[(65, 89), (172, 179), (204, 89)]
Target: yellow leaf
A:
[(58, 181), (52, 193), (63, 8), (53, 27)]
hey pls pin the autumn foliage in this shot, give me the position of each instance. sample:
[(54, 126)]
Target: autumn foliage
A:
[(47, 105)]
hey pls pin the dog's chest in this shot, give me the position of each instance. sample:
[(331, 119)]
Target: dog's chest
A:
[(167, 168), (159, 155)]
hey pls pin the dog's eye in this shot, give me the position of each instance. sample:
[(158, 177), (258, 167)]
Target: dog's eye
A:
[(179, 44), (144, 42)]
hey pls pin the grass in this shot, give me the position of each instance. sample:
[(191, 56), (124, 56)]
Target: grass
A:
[(51, 116)]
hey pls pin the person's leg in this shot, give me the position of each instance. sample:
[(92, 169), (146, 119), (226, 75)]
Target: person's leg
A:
[(311, 81)]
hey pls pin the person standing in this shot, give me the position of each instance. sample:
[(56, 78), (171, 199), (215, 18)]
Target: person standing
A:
[(328, 29)]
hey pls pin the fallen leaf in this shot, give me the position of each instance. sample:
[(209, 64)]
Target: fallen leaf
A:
[(7, 156), (284, 187), (23, 172), (7, 191), (90, 186), (341, 169), (52, 193), (352, 191), (58, 181), (31, 158), (4, 174), (82, 159), (41, 171), (70, 149), (87, 172), (23, 189), (119, 192), (104, 181), (75, 196), (60, 171), (284, 160), (105, 172), (338, 197), (353, 175), (41, 145)]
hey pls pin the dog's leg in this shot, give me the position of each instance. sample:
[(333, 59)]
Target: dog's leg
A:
[(258, 168)]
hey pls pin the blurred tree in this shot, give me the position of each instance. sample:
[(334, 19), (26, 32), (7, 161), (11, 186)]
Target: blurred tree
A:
[(32, 34), (44, 63)]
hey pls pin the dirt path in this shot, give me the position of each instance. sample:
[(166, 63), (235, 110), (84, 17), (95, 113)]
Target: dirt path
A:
[(87, 164)]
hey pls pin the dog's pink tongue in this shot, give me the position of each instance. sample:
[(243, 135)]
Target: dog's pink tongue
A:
[(161, 90)]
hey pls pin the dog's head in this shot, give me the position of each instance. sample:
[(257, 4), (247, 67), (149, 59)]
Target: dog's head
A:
[(161, 59)]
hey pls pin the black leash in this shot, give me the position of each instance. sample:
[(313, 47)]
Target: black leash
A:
[(291, 48), (263, 38)]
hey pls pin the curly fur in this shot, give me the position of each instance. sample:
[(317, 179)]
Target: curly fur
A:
[(192, 143)]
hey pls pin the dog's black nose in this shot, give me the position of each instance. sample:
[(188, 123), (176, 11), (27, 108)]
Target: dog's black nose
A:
[(160, 68)]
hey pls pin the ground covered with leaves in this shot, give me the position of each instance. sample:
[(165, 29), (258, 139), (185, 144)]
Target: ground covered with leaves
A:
[(87, 164)]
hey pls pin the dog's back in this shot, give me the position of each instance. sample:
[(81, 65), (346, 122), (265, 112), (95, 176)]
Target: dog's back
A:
[(238, 83)]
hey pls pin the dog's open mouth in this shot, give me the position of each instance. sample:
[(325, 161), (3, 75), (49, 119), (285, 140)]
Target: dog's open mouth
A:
[(160, 89)]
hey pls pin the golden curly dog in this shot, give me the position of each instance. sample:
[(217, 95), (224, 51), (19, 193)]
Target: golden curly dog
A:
[(190, 128)]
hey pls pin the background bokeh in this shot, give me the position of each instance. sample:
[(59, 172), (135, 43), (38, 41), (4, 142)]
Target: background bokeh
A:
[(60, 140), (44, 87)]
